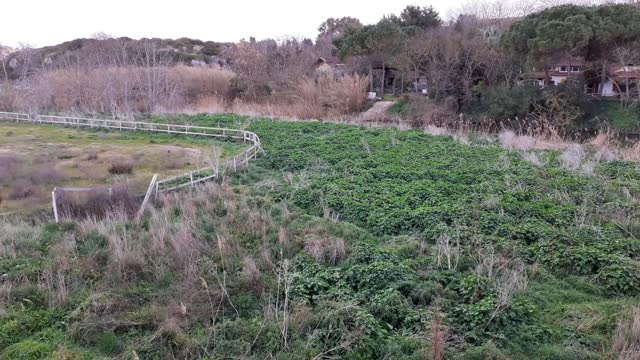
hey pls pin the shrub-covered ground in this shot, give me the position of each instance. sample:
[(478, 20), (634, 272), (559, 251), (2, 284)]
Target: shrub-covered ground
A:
[(619, 116), (343, 242)]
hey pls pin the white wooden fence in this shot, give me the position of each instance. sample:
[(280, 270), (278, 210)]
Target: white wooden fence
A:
[(187, 179)]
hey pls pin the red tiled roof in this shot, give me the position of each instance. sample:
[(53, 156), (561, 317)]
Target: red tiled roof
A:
[(626, 75), (332, 60)]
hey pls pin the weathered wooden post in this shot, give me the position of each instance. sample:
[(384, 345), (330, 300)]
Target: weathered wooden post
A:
[(55, 204), (147, 196)]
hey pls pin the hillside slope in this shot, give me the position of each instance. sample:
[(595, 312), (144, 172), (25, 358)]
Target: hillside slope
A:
[(93, 53)]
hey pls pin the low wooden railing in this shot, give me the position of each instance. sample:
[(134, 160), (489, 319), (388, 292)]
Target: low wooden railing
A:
[(187, 179)]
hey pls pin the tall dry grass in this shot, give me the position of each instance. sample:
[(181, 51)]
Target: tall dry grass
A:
[(329, 250), (125, 247), (329, 96), (116, 90), (169, 240), (14, 231), (97, 204), (324, 98), (171, 89), (626, 340)]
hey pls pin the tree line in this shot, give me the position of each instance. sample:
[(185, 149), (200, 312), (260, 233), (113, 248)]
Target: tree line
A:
[(475, 63), (476, 60)]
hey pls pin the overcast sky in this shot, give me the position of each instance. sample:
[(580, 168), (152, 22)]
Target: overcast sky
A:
[(49, 22)]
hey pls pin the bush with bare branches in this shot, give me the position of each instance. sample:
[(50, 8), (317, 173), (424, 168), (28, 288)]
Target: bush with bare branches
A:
[(326, 249)]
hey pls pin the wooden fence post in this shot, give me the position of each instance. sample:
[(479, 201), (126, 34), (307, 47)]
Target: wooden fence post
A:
[(55, 204), (147, 196), (191, 177)]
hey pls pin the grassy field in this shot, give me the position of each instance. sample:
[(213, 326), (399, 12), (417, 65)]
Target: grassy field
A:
[(344, 242), (34, 159)]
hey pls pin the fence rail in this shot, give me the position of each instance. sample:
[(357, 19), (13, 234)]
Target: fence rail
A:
[(188, 179)]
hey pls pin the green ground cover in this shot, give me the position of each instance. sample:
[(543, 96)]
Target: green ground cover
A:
[(344, 242)]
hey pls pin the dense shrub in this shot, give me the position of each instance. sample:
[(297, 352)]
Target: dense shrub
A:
[(563, 106), (508, 104), (120, 167), (20, 189), (390, 306), (96, 204)]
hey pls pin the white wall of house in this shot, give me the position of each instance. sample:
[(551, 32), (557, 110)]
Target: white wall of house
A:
[(557, 80), (564, 68), (324, 69), (607, 88)]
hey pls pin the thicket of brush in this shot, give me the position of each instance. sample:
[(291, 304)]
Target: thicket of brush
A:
[(126, 90), (116, 90), (98, 203)]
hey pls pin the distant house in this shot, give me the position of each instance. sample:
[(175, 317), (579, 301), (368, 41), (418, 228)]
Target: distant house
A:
[(563, 70), (420, 84), (560, 71), (329, 66), (380, 70), (622, 80), (618, 79)]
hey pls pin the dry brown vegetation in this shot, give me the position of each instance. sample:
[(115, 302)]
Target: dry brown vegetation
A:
[(120, 167), (117, 89), (126, 90), (267, 78), (327, 249), (98, 203), (626, 341), (324, 98)]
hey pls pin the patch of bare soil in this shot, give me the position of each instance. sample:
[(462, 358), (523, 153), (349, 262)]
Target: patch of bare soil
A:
[(378, 111)]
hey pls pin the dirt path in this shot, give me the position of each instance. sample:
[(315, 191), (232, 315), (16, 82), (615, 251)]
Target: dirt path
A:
[(378, 111)]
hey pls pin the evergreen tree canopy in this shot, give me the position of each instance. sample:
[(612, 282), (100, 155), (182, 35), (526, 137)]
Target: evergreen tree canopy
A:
[(420, 17), (337, 27), (389, 33), (379, 39), (588, 32)]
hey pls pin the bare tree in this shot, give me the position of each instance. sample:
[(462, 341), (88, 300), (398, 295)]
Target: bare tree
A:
[(625, 57), (3, 56)]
